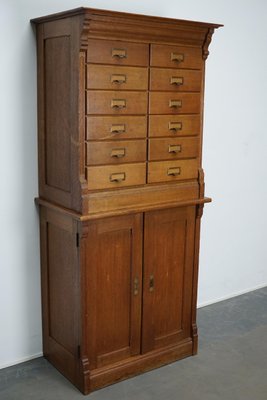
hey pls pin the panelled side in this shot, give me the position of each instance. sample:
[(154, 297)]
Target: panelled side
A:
[(60, 291), (58, 112)]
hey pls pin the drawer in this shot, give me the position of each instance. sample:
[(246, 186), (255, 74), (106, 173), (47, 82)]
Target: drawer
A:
[(116, 176), (116, 78), (165, 171), (117, 52), (176, 56), (174, 103), (177, 80), (101, 102), (174, 125), (115, 152), (169, 149), (101, 128)]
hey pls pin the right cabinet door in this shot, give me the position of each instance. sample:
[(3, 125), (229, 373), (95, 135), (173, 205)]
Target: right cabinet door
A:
[(168, 276)]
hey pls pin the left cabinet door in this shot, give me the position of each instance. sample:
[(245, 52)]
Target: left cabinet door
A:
[(113, 288)]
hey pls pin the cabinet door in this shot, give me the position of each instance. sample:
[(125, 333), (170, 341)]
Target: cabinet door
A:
[(167, 280), (113, 280)]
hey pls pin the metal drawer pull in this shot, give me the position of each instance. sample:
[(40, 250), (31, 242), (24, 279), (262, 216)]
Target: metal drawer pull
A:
[(175, 126), (177, 57), (116, 103), (175, 148), (151, 283), (117, 129), (175, 103), (118, 79), (120, 53), (136, 286), (117, 177), (118, 153), (174, 171), (177, 80)]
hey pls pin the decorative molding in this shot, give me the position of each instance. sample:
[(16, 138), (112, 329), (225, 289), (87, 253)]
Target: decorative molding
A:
[(85, 32), (120, 26)]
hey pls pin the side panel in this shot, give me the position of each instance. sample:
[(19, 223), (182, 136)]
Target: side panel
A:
[(113, 288), (58, 106), (168, 270), (60, 291), (58, 112)]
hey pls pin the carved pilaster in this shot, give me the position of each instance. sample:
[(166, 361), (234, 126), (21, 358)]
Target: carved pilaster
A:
[(205, 51), (201, 181), (194, 338)]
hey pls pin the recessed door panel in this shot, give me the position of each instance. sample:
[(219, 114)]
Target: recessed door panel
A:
[(113, 282), (168, 269)]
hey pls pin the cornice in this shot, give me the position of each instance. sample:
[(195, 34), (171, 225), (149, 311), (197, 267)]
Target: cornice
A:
[(143, 28)]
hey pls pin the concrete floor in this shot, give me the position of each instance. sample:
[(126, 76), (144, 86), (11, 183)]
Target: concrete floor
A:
[(231, 364)]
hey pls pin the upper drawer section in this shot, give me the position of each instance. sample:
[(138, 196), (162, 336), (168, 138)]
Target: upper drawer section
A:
[(121, 78), (117, 52), (176, 56), (116, 103), (175, 80)]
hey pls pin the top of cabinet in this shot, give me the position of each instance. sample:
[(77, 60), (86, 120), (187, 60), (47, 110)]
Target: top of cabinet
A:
[(94, 12), (119, 25)]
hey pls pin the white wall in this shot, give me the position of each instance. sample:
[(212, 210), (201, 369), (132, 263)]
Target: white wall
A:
[(233, 256)]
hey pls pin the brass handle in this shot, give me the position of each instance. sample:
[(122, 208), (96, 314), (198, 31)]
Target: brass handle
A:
[(175, 103), (136, 286), (177, 80), (151, 283), (175, 126), (118, 103), (119, 79), (117, 129), (118, 153), (175, 148), (174, 171), (120, 53), (119, 177), (177, 57)]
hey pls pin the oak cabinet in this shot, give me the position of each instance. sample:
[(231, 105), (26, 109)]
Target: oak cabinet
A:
[(121, 190)]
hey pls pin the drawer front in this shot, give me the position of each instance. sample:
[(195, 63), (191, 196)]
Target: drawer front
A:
[(101, 102), (103, 128), (174, 103), (166, 171), (116, 78), (175, 80), (117, 52), (171, 149), (176, 56), (116, 176), (174, 125), (115, 152)]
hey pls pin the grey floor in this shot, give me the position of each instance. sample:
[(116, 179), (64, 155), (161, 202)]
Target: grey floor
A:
[(231, 364)]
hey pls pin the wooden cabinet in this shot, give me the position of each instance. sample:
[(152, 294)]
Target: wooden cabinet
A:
[(121, 190)]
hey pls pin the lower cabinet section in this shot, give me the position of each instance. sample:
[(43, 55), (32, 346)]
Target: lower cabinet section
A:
[(118, 295)]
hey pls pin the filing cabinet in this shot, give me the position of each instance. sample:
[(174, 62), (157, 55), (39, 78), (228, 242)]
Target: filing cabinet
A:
[(121, 190)]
